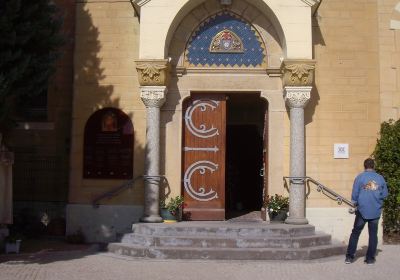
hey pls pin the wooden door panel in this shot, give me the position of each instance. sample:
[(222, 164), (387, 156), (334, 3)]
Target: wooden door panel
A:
[(204, 157)]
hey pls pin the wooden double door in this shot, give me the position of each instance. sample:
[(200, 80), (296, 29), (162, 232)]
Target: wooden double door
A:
[(204, 156)]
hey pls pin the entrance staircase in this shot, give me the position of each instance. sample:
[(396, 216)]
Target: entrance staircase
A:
[(226, 241)]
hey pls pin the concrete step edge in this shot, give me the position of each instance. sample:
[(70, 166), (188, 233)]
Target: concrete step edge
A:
[(265, 237), (307, 249), (228, 253)]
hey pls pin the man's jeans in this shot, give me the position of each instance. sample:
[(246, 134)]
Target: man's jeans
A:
[(359, 224)]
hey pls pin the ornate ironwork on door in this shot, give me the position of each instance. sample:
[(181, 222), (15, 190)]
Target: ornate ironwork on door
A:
[(203, 157)]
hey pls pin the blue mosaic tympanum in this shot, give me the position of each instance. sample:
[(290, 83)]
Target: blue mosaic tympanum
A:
[(225, 40)]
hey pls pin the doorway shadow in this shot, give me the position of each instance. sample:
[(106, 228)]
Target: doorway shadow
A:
[(244, 155)]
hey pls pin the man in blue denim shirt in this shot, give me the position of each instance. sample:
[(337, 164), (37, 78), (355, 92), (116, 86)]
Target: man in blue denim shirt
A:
[(369, 191)]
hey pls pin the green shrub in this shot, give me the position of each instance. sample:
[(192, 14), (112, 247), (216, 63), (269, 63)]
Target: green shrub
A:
[(276, 203), (173, 205), (387, 157)]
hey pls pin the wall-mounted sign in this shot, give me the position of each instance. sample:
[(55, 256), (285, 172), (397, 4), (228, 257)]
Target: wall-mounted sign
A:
[(341, 150), (108, 145)]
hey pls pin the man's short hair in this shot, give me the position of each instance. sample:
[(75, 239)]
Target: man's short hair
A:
[(369, 163)]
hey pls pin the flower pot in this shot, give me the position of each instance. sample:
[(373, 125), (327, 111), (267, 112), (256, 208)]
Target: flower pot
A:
[(167, 216), (278, 217), (13, 247)]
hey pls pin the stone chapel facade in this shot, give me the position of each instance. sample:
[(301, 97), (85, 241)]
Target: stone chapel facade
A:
[(219, 100)]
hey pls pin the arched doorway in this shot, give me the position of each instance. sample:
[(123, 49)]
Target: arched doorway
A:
[(223, 131)]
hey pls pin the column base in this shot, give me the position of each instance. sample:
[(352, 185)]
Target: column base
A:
[(151, 219), (296, 221)]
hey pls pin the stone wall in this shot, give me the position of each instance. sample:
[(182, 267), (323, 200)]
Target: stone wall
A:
[(389, 58), (106, 45), (344, 106)]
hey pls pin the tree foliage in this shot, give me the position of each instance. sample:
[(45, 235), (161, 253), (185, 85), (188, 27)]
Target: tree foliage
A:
[(387, 156), (29, 46)]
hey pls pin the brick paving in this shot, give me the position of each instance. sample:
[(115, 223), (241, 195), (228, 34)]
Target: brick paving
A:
[(88, 264)]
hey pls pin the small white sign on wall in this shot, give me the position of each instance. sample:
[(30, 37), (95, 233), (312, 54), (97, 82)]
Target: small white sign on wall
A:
[(341, 150)]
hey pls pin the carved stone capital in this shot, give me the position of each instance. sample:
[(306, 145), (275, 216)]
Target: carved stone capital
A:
[(297, 97), (153, 72), (298, 72), (153, 96)]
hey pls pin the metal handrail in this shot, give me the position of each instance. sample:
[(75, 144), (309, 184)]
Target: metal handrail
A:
[(126, 185), (322, 189), (113, 192)]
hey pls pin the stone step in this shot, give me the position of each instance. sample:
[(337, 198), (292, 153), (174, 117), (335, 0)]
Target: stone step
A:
[(223, 229), (226, 253), (227, 242)]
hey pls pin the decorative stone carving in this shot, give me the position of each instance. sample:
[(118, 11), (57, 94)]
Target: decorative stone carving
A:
[(153, 96), (153, 72), (298, 72), (297, 97)]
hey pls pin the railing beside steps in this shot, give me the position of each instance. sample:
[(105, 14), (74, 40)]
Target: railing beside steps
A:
[(322, 189), (126, 185)]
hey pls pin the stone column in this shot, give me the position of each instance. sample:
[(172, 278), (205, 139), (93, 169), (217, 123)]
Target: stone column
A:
[(153, 80), (298, 79)]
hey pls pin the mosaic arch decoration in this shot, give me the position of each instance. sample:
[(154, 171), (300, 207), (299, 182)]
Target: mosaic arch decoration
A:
[(225, 40)]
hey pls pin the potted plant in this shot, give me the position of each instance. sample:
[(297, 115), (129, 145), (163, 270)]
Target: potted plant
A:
[(171, 211), (277, 207), (12, 243)]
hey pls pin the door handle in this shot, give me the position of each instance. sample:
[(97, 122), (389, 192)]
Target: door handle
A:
[(262, 173)]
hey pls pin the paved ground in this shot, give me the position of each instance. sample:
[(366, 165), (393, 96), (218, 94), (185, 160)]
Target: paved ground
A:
[(88, 264)]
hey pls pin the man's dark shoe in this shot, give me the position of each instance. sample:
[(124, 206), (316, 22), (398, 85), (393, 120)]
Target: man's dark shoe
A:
[(348, 260), (370, 262)]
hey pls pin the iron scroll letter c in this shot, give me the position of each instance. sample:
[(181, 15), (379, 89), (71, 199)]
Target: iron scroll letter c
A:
[(201, 194)]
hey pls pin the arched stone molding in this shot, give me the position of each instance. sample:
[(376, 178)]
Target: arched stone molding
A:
[(395, 18), (291, 19)]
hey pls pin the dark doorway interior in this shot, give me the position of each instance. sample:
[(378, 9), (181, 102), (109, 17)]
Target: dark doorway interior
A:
[(244, 154)]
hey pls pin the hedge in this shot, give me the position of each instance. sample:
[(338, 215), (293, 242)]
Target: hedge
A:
[(387, 158)]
